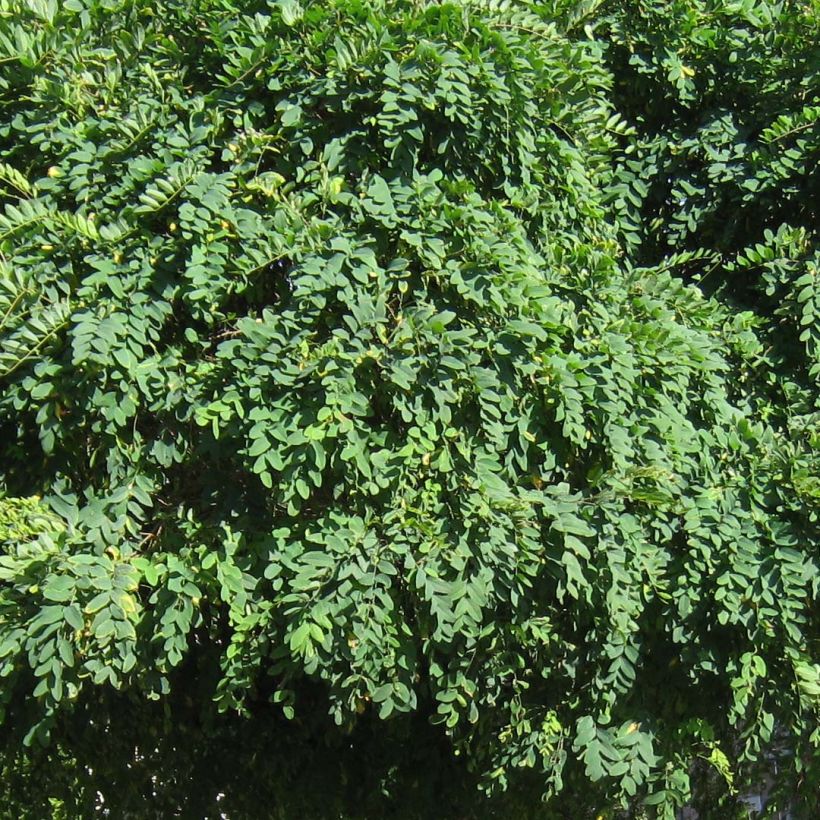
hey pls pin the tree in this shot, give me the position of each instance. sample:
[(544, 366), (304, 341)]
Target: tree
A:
[(361, 454)]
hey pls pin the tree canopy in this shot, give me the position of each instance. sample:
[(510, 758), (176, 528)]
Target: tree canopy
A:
[(409, 409)]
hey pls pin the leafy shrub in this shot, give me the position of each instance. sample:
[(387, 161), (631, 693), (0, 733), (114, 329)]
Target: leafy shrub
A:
[(377, 452)]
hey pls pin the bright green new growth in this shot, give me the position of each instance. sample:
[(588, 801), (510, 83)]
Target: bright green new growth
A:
[(328, 348)]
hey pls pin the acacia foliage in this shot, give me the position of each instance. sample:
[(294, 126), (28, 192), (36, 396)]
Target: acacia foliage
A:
[(349, 390)]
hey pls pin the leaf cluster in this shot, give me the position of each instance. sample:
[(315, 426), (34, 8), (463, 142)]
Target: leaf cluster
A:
[(422, 383)]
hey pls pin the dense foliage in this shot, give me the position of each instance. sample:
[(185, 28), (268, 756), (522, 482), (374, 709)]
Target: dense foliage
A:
[(409, 409)]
